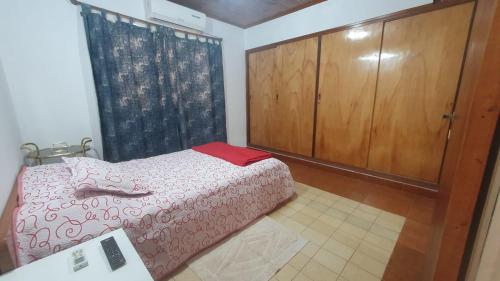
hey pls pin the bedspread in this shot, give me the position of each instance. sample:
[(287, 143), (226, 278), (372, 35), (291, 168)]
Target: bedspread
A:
[(197, 200)]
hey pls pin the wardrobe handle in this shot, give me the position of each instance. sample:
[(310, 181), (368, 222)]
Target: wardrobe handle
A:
[(449, 116), (319, 98)]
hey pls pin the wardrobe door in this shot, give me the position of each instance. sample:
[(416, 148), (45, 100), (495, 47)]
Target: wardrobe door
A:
[(295, 82), (348, 76), (261, 67), (418, 77)]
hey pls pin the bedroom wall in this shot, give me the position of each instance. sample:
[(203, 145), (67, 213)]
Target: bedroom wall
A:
[(11, 156), (40, 51), (48, 69), (325, 15)]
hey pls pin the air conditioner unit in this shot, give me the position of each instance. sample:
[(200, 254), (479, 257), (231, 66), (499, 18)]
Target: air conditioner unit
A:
[(170, 12)]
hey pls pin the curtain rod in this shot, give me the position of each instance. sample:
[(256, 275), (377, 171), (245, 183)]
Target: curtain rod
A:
[(78, 3)]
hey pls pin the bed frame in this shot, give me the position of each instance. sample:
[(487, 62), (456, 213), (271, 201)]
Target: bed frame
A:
[(6, 263)]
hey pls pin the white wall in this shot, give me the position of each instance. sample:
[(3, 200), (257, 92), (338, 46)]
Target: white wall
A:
[(234, 79), (325, 15), (47, 66), (10, 140), (40, 52)]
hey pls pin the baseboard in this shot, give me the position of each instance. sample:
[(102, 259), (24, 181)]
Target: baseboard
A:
[(419, 187)]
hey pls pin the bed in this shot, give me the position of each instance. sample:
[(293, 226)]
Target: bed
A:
[(197, 200)]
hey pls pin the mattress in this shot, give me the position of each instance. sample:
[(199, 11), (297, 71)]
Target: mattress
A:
[(197, 200)]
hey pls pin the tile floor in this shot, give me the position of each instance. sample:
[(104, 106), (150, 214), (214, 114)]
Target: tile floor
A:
[(348, 240), (409, 257)]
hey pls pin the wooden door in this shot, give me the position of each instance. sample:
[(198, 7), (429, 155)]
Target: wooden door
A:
[(419, 72), (295, 90), (348, 76), (261, 67)]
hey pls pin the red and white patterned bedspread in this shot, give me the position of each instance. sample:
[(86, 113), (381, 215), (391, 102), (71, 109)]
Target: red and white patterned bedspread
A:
[(197, 200)]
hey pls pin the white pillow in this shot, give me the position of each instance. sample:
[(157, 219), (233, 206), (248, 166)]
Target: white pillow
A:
[(89, 174)]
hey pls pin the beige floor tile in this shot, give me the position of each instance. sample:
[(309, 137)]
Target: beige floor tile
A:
[(392, 217), (326, 200), (308, 187), (369, 264), (336, 213), (309, 195), (343, 206), (369, 209), (335, 222), (380, 241), (354, 273), (318, 272), (375, 252), (332, 196), (364, 215), (302, 200), (310, 249), (389, 225), (323, 228), (296, 205), (299, 261), (187, 275), (294, 225), (300, 191), (348, 203), (338, 248), (320, 207), (301, 186), (384, 232), (311, 212), (359, 222), (279, 217), (302, 277), (302, 218), (391, 221), (346, 238), (353, 230), (311, 188), (314, 236), (287, 211), (286, 273), (333, 262)]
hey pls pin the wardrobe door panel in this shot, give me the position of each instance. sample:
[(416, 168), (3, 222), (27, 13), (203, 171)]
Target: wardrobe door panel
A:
[(418, 77), (295, 84), (348, 76), (261, 67)]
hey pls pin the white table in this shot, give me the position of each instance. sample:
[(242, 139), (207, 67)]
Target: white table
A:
[(58, 267)]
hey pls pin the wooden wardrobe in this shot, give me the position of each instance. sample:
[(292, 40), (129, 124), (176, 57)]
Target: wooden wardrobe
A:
[(377, 97), (347, 85), (282, 96)]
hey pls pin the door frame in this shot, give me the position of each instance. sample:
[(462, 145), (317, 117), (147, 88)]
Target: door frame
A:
[(477, 112)]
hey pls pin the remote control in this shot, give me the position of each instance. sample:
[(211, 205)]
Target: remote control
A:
[(113, 253)]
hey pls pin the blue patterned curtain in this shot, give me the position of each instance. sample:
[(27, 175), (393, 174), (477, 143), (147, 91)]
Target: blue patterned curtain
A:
[(157, 93)]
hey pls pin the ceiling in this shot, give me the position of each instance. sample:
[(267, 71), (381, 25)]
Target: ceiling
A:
[(246, 13)]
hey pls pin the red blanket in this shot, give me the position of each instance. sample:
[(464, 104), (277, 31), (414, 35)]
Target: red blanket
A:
[(240, 156)]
